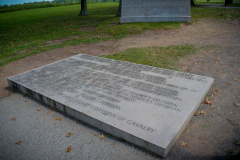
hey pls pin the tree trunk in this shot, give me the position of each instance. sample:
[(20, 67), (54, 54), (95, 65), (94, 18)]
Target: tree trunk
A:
[(84, 10), (228, 2), (192, 2), (119, 9)]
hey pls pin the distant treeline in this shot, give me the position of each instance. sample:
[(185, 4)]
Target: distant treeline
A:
[(45, 4)]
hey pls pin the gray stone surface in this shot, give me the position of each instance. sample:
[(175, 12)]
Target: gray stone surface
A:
[(144, 105), (155, 11)]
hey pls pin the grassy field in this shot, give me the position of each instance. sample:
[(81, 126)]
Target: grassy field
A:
[(236, 3), (26, 6), (27, 32), (209, 2), (163, 57)]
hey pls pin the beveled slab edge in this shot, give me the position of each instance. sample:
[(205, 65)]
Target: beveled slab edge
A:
[(89, 120)]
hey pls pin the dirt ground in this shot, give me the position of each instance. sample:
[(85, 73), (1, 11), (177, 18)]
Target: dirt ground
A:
[(215, 132)]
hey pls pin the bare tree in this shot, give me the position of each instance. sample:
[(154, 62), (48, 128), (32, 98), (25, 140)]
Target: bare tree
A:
[(228, 2)]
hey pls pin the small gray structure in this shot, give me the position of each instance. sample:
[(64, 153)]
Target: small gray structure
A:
[(144, 105), (155, 11)]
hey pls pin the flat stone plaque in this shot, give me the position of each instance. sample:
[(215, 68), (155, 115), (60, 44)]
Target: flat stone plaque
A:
[(144, 105), (155, 11)]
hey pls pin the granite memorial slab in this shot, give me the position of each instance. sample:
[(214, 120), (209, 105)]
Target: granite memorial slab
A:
[(145, 105), (155, 11)]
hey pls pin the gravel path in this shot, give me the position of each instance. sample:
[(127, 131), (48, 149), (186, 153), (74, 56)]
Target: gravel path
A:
[(44, 137)]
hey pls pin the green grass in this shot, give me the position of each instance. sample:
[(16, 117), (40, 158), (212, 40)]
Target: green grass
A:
[(163, 57), (27, 6), (214, 13), (27, 32), (236, 2), (210, 2)]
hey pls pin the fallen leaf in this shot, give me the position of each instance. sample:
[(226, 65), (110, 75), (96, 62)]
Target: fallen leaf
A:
[(120, 81), (93, 80), (95, 74), (183, 144), (99, 83), (58, 119), (188, 70), (212, 106), (113, 143), (231, 112), (26, 100), (238, 123), (214, 115), (236, 104), (94, 68), (203, 112), (69, 134), (207, 101), (197, 113), (80, 61), (69, 149), (0, 68), (13, 119), (85, 76), (39, 109), (227, 83), (77, 67), (89, 78), (235, 79), (101, 136), (18, 142), (218, 91), (49, 112), (115, 65)]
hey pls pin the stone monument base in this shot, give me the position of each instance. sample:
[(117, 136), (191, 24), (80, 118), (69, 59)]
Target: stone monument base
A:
[(145, 105), (156, 11)]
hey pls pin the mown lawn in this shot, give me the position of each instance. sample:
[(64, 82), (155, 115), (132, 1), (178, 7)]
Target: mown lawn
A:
[(209, 2), (162, 57), (27, 32)]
